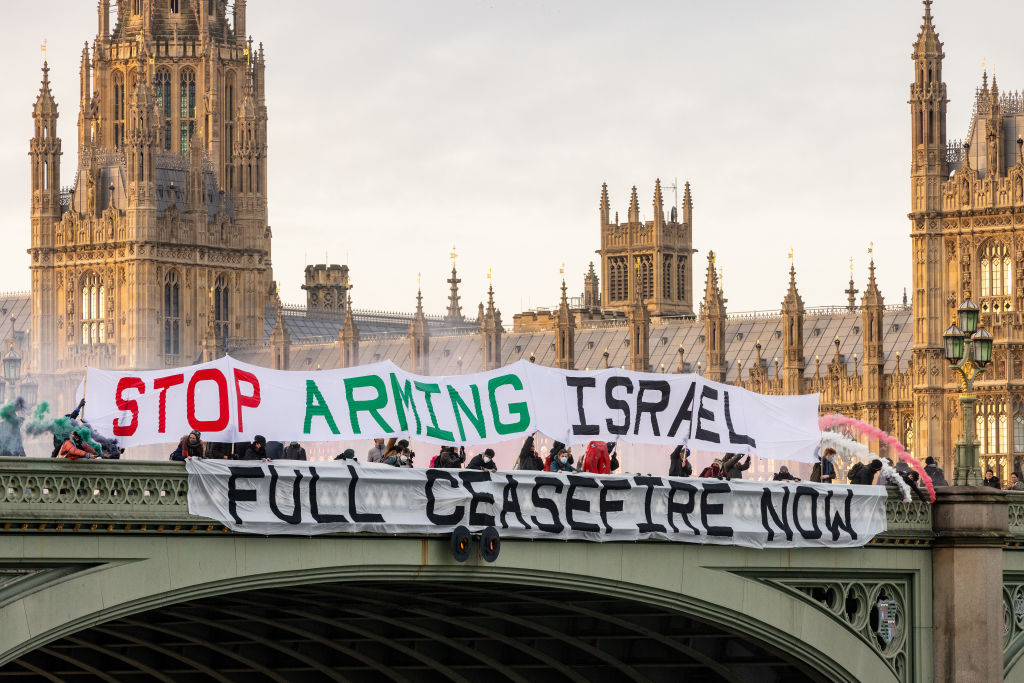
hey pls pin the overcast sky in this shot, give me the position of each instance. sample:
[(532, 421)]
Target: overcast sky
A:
[(398, 129)]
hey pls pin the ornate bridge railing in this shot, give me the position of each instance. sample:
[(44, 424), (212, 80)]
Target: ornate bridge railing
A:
[(142, 496)]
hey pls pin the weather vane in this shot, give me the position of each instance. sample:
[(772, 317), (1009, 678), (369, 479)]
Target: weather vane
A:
[(418, 280), (42, 49), (791, 255), (871, 247), (488, 273), (453, 255)]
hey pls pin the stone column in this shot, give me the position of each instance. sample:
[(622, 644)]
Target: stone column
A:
[(971, 524)]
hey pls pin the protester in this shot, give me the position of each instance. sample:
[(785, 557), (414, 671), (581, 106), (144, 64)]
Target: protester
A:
[(613, 464), (991, 479), (864, 474), (935, 472), (294, 451), (400, 458), (257, 450), (816, 472), (72, 416), (483, 461), (75, 448), (714, 470), (596, 460), (347, 454), (828, 467), (1015, 483), (733, 467), (557, 448), (190, 446), (783, 475), (377, 451), (679, 462), (528, 459), (913, 480), (449, 458), (560, 463), (275, 450), (394, 448)]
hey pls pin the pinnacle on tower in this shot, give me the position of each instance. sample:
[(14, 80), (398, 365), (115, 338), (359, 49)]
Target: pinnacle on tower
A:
[(659, 205), (454, 314), (604, 209), (927, 43), (634, 208), (851, 291)]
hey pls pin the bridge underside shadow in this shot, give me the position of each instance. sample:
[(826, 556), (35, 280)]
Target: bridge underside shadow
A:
[(408, 631)]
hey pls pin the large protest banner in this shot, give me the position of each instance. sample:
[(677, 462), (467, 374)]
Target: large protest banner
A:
[(293, 497), (230, 401)]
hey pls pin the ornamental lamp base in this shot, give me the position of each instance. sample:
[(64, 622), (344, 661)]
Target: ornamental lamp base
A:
[(967, 471)]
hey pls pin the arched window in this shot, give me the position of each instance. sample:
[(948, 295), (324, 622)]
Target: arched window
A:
[(681, 282), (187, 99), (229, 127), (1018, 432), (136, 6), (666, 276), (175, 8), (118, 109), (163, 103), (172, 317), (220, 306), (908, 435), (996, 271), (93, 310)]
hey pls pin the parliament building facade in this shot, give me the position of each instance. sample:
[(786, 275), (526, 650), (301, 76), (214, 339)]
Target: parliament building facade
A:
[(158, 254)]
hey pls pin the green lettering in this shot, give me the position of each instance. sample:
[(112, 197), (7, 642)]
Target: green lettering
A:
[(459, 406), (317, 406), (403, 400), (521, 409), (371, 406), (433, 429)]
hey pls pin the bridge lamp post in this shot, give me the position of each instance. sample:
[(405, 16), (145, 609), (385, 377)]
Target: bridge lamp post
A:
[(968, 350)]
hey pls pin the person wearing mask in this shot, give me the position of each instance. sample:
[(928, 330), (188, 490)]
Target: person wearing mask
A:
[(991, 479), (400, 458), (783, 475), (75, 448), (679, 462), (557, 448), (528, 459), (257, 450), (483, 461), (449, 458), (347, 454), (1015, 483), (294, 451), (394, 448), (190, 446), (932, 469), (560, 463), (377, 451), (733, 467)]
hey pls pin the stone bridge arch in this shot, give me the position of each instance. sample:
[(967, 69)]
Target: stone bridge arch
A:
[(72, 583)]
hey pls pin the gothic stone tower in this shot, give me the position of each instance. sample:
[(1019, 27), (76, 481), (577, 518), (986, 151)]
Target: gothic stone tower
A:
[(163, 232), (663, 249)]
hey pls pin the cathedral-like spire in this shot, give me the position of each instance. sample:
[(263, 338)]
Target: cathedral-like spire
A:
[(454, 315), (639, 320), (45, 105), (348, 337), (687, 205), (927, 43), (591, 288), (714, 324), (565, 332), (604, 204), (419, 336), (793, 336), (490, 330), (851, 291), (634, 208), (659, 205)]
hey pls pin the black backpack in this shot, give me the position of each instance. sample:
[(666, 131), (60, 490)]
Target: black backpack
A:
[(854, 471)]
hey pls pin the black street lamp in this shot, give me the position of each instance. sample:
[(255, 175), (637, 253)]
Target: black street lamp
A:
[(968, 349), (29, 390)]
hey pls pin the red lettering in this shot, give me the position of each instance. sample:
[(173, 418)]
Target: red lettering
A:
[(208, 375), (123, 404), (251, 401), (163, 384)]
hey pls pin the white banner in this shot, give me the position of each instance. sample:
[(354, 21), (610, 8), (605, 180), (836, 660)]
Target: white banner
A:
[(294, 497), (230, 401)]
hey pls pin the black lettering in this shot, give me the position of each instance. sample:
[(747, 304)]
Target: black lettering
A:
[(652, 408), (768, 508), (705, 414), (469, 477), (813, 493), (834, 522), (617, 403), (556, 526), (237, 495), (707, 509), (359, 517), (441, 520), (314, 506), (581, 383), (572, 503), (649, 526), (510, 503), (685, 412), (684, 510), (733, 436), (611, 505), (296, 516)]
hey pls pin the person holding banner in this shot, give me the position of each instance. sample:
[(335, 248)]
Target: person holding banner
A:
[(560, 463), (75, 448), (528, 459), (190, 446), (596, 460), (483, 461), (257, 450), (679, 462)]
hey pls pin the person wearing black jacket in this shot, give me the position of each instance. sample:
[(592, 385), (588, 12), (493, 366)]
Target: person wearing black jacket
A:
[(528, 459), (257, 450), (679, 462), (294, 451), (483, 461), (865, 474), (783, 475), (450, 459), (190, 446)]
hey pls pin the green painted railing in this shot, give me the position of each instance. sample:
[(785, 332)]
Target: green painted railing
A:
[(143, 496)]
